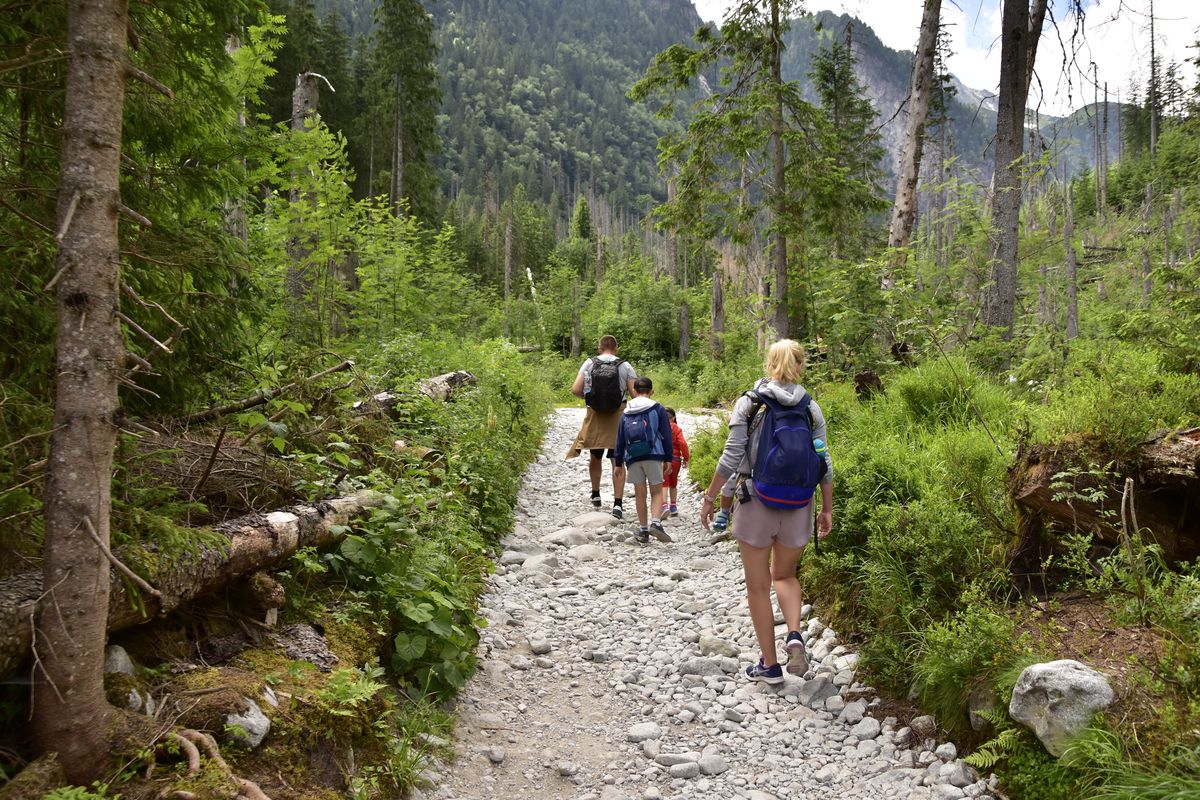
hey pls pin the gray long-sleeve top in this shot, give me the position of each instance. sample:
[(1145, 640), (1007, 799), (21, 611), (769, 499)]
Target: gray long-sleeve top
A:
[(740, 449)]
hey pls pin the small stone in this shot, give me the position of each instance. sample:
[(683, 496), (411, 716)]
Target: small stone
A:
[(643, 731), (687, 770), (712, 764), (567, 768), (868, 728), (495, 754), (946, 752), (117, 660), (249, 727)]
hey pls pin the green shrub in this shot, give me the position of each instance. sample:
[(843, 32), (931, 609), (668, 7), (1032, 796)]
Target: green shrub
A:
[(945, 391), (1030, 773), (1118, 396), (953, 656)]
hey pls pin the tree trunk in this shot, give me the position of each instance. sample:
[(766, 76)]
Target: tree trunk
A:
[(905, 208), (685, 331), (70, 713), (305, 101), (1000, 297), (1147, 213), (778, 177), (508, 267), (256, 542), (717, 325), (1072, 267), (397, 192)]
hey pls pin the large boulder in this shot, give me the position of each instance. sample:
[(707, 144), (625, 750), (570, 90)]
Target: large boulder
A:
[(1057, 700)]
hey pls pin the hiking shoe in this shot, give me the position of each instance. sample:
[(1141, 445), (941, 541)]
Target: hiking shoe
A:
[(656, 530), (772, 674), (596, 501), (721, 520), (666, 509), (642, 536), (674, 510), (618, 512), (797, 663)]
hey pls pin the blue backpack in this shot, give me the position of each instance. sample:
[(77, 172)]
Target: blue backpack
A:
[(787, 468), (640, 433)]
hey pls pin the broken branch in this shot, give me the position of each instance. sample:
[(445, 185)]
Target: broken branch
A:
[(262, 397), (116, 562)]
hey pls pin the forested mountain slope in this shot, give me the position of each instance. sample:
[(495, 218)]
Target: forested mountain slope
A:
[(533, 93)]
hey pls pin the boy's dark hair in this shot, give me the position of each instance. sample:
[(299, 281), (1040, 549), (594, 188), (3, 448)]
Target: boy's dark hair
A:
[(643, 384), (671, 413)]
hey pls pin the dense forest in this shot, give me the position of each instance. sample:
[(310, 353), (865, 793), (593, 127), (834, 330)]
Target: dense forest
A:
[(289, 288)]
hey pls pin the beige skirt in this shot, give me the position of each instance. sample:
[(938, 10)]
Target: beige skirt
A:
[(599, 431)]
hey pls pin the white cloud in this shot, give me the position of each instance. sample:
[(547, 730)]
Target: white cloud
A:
[(1116, 38)]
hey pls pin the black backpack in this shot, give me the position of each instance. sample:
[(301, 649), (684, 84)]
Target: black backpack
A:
[(606, 392)]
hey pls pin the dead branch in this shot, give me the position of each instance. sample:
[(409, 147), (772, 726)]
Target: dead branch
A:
[(153, 83), (135, 216), (144, 333), (116, 562), (262, 397), (62, 229), (31, 436), (211, 460)]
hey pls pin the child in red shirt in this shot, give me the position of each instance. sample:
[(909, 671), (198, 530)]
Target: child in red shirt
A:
[(671, 476)]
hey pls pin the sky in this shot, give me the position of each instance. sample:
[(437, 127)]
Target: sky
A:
[(1116, 37)]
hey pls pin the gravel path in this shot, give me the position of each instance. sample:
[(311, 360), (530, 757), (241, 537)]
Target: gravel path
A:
[(612, 670)]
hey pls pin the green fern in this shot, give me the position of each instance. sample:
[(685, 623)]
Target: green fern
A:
[(995, 750)]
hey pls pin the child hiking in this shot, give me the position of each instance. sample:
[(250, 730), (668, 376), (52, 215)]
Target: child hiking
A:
[(680, 460), (644, 447), (770, 447), (603, 382)]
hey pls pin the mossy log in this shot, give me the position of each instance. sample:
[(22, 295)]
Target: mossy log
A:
[(1054, 485), (255, 542)]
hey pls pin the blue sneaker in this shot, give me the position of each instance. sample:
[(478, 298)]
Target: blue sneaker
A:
[(797, 663), (772, 674), (721, 520), (674, 510)]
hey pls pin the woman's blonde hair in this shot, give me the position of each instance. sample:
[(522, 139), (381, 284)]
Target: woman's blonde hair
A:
[(785, 361)]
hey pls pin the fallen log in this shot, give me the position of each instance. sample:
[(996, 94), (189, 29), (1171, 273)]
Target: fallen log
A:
[(256, 542), (1053, 487), (439, 387)]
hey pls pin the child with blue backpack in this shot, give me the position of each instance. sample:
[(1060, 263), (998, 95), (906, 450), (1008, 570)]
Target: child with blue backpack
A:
[(770, 447), (643, 448)]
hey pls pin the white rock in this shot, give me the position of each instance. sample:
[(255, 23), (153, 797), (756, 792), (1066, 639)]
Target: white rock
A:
[(249, 727), (1057, 700)]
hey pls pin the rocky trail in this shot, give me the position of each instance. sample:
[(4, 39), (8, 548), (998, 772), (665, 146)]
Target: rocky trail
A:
[(613, 670)]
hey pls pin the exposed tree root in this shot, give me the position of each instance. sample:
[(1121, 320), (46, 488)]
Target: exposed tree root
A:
[(191, 742)]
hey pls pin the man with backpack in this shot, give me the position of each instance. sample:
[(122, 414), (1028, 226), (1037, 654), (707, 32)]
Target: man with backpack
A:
[(644, 446), (772, 449), (603, 382)]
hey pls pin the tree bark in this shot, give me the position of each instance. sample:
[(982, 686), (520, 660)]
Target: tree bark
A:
[(508, 266), (1072, 267), (1017, 50), (905, 207), (70, 713), (256, 542), (397, 192), (778, 177), (717, 324)]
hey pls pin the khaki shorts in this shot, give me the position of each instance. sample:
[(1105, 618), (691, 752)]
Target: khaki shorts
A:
[(647, 471), (760, 526)]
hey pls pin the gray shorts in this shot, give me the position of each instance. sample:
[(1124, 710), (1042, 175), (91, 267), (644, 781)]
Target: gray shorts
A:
[(647, 471), (760, 526)]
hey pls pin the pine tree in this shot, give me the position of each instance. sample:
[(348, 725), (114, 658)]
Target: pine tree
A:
[(752, 116), (404, 56)]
